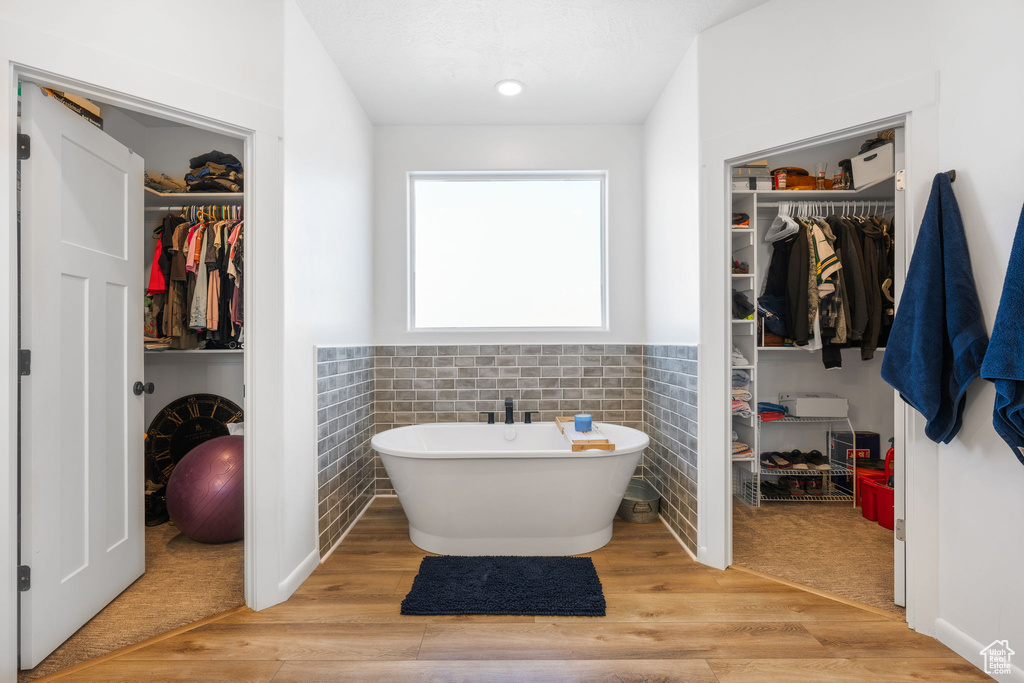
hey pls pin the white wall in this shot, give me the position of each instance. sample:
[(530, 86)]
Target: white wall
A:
[(328, 166), (124, 46), (671, 209), (401, 149), (976, 53)]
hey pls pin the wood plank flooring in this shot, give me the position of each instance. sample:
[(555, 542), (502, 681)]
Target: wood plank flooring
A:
[(669, 619)]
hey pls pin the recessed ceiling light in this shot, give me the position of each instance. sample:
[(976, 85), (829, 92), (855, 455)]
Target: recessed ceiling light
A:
[(509, 87)]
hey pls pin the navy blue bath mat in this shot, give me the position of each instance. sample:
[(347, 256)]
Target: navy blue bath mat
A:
[(563, 586)]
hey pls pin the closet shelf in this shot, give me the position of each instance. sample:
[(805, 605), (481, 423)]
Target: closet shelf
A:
[(194, 351), (806, 420), (804, 195), (834, 472), (156, 199), (831, 498)]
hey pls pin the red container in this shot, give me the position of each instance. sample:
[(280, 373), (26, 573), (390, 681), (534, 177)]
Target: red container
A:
[(877, 477), (862, 480), (867, 500), (884, 505)]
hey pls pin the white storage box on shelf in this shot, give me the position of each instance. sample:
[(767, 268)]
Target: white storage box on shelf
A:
[(873, 165), (815, 405)]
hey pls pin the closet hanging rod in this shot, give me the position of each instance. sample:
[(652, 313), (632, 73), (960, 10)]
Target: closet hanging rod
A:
[(832, 202), (186, 207)]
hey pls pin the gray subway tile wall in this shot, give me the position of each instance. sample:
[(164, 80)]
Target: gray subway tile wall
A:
[(670, 420), (345, 469), (454, 383), (363, 390)]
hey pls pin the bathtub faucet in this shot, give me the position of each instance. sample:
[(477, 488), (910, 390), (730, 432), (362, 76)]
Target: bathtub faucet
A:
[(508, 412)]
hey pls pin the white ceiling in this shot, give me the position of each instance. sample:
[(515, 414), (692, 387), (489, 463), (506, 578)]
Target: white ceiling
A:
[(583, 61)]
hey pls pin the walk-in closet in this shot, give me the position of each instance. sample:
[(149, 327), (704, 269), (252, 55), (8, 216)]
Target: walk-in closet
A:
[(816, 236), (192, 265)]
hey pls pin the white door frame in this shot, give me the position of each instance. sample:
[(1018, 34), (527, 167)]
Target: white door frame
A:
[(263, 457), (916, 101)]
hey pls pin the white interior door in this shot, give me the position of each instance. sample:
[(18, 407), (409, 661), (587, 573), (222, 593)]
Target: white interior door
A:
[(82, 532)]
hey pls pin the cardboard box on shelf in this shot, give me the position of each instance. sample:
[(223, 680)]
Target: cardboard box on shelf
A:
[(819, 404)]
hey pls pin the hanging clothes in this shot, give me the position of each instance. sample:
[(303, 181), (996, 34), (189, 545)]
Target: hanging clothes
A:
[(202, 303), (829, 284)]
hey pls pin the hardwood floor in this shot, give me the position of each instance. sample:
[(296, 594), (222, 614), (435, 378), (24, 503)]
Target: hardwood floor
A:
[(669, 619)]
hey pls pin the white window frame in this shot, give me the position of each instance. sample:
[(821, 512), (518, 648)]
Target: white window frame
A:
[(488, 176)]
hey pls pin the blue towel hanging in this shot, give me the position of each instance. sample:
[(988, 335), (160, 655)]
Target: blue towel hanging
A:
[(1004, 361), (938, 337)]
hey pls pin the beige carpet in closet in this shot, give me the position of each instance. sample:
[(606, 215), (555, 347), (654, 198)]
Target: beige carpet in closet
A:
[(828, 546), (184, 581)]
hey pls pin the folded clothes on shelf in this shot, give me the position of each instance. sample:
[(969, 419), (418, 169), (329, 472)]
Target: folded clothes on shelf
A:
[(738, 358), (742, 450), (742, 309), (771, 411), (740, 378), (741, 408), (741, 394)]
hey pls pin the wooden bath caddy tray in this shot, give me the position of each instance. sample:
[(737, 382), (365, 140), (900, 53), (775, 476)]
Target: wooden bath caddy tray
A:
[(582, 441)]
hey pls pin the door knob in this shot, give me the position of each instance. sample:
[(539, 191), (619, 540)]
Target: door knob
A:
[(139, 388)]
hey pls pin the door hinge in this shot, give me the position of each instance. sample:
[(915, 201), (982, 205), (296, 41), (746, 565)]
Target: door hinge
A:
[(24, 577), (900, 530), (901, 180), (24, 362), (24, 146)]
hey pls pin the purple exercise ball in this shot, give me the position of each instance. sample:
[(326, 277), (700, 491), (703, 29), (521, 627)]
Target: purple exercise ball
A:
[(204, 493)]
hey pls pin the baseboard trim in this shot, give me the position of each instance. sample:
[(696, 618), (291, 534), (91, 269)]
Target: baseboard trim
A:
[(825, 594), (75, 668), (676, 536), (349, 528), (970, 649), (292, 582)]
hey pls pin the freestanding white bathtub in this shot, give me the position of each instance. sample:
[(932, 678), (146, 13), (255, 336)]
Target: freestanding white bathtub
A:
[(479, 489)]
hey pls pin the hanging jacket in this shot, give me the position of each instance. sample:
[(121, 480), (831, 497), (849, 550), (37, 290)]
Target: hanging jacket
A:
[(849, 256), (938, 338), (797, 291), (870, 236)]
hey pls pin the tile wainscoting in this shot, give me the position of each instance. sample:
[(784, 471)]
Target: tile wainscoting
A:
[(422, 384), (670, 420), (363, 390), (345, 470)]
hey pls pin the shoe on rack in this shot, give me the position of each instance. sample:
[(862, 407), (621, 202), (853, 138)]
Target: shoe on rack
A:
[(818, 461), (794, 485), (798, 460), (770, 489), (774, 461), (814, 486)]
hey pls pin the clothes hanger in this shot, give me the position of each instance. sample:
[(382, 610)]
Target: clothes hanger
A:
[(782, 226)]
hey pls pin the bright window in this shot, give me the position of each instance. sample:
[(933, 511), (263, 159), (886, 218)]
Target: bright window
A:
[(507, 251)]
